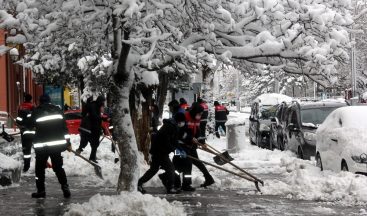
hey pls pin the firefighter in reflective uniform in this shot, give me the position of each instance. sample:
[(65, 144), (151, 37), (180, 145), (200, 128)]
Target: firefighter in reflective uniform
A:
[(23, 121), (51, 138), (221, 113), (204, 118), (193, 117)]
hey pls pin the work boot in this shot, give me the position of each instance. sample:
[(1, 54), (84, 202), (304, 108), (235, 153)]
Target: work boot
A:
[(37, 195), (163, 178), (217, 135), (188, 188), (117, 160), (27, 164), (207, 182), (141, 189), (65, 190), (173, 191)]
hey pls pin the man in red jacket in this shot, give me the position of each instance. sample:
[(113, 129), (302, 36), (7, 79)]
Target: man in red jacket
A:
[(204, 118), (193, 117), (23, 120), (221, 113)]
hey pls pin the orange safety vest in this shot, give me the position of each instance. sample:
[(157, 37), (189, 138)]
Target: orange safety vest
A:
[(192, 124)]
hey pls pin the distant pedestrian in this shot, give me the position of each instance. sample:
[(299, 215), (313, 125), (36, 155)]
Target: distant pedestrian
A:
[(26, 133), (221, 113), (183, 104), (51, 138)]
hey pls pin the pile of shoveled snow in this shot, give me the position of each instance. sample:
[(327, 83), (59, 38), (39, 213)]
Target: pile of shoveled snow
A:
[(127, 203)]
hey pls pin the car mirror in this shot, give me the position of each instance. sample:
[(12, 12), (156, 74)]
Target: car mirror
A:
[(293, 128)]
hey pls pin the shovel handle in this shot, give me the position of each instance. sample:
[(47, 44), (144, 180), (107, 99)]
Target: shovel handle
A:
[(223, 169), (239, 168), (90, 162)]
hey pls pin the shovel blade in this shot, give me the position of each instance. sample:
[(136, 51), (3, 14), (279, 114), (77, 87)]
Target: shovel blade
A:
[(219, 158), (7, 136), (98, 171)]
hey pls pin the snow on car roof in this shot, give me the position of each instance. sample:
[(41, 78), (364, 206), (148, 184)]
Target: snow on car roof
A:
[(309, 104), (349, 116), (272, 99)]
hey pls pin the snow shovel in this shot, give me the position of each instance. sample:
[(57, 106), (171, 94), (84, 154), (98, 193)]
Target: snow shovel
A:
[(215, 152), (228, 171), (6, 136), (97, 168)]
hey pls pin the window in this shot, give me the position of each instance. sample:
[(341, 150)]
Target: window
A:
[(317, 115)]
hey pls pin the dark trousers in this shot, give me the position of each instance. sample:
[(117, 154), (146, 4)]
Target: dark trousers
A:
[(182, 165), (203, 129), (200, 165), (160, 162), (57, 162), (222, 124), (93, 139), (26, 148)]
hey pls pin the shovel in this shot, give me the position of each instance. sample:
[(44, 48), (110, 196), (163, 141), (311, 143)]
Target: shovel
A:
[(97, 168), (231, 172), (212, 150), (6, 136)]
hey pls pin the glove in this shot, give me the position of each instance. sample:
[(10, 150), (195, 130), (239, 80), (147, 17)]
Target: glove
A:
[(181, 153)]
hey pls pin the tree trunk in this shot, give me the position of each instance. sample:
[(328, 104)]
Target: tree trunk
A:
[(123, 130), (162, 91), (121, 120), (141, 119)]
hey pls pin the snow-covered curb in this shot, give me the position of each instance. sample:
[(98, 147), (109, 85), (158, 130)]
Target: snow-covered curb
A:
[(127, 203)]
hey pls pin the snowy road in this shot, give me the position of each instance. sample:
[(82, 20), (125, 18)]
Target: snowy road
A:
[(292, 186)]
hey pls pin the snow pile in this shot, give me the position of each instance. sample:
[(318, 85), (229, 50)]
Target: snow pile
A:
[(272, 99), (127, 203), (8, 163), (305, 181)]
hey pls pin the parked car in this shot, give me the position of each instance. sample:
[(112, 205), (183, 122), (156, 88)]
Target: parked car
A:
[(73, 119), (342, 141), (259, 125), (301, 124)]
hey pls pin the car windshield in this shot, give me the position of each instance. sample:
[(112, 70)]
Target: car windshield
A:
[(268, 111), (315, 116)]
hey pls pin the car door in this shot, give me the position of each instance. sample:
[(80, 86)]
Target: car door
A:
[(253, 121), (73, 120), (293, 129)]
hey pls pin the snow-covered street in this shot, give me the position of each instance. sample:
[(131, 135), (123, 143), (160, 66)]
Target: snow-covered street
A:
[(292, 187)]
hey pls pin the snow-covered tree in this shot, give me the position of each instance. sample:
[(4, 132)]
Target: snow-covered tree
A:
[(142, 37)]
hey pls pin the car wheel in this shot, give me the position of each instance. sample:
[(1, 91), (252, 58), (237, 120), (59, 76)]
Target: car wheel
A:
[(300, 153), (251, 142), (319, 162), (344, 166)]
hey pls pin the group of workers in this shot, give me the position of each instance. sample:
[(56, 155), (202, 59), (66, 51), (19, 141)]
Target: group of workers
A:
[(182, 134), (44, 128)]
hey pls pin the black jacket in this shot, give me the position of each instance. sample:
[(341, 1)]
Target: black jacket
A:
[(91, 118), (166, 139), (50, 128)]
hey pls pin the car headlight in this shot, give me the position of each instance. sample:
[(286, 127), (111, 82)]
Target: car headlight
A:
[(360, 159), (264, 127)]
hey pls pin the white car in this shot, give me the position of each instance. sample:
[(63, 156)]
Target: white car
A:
[(341, 141)]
